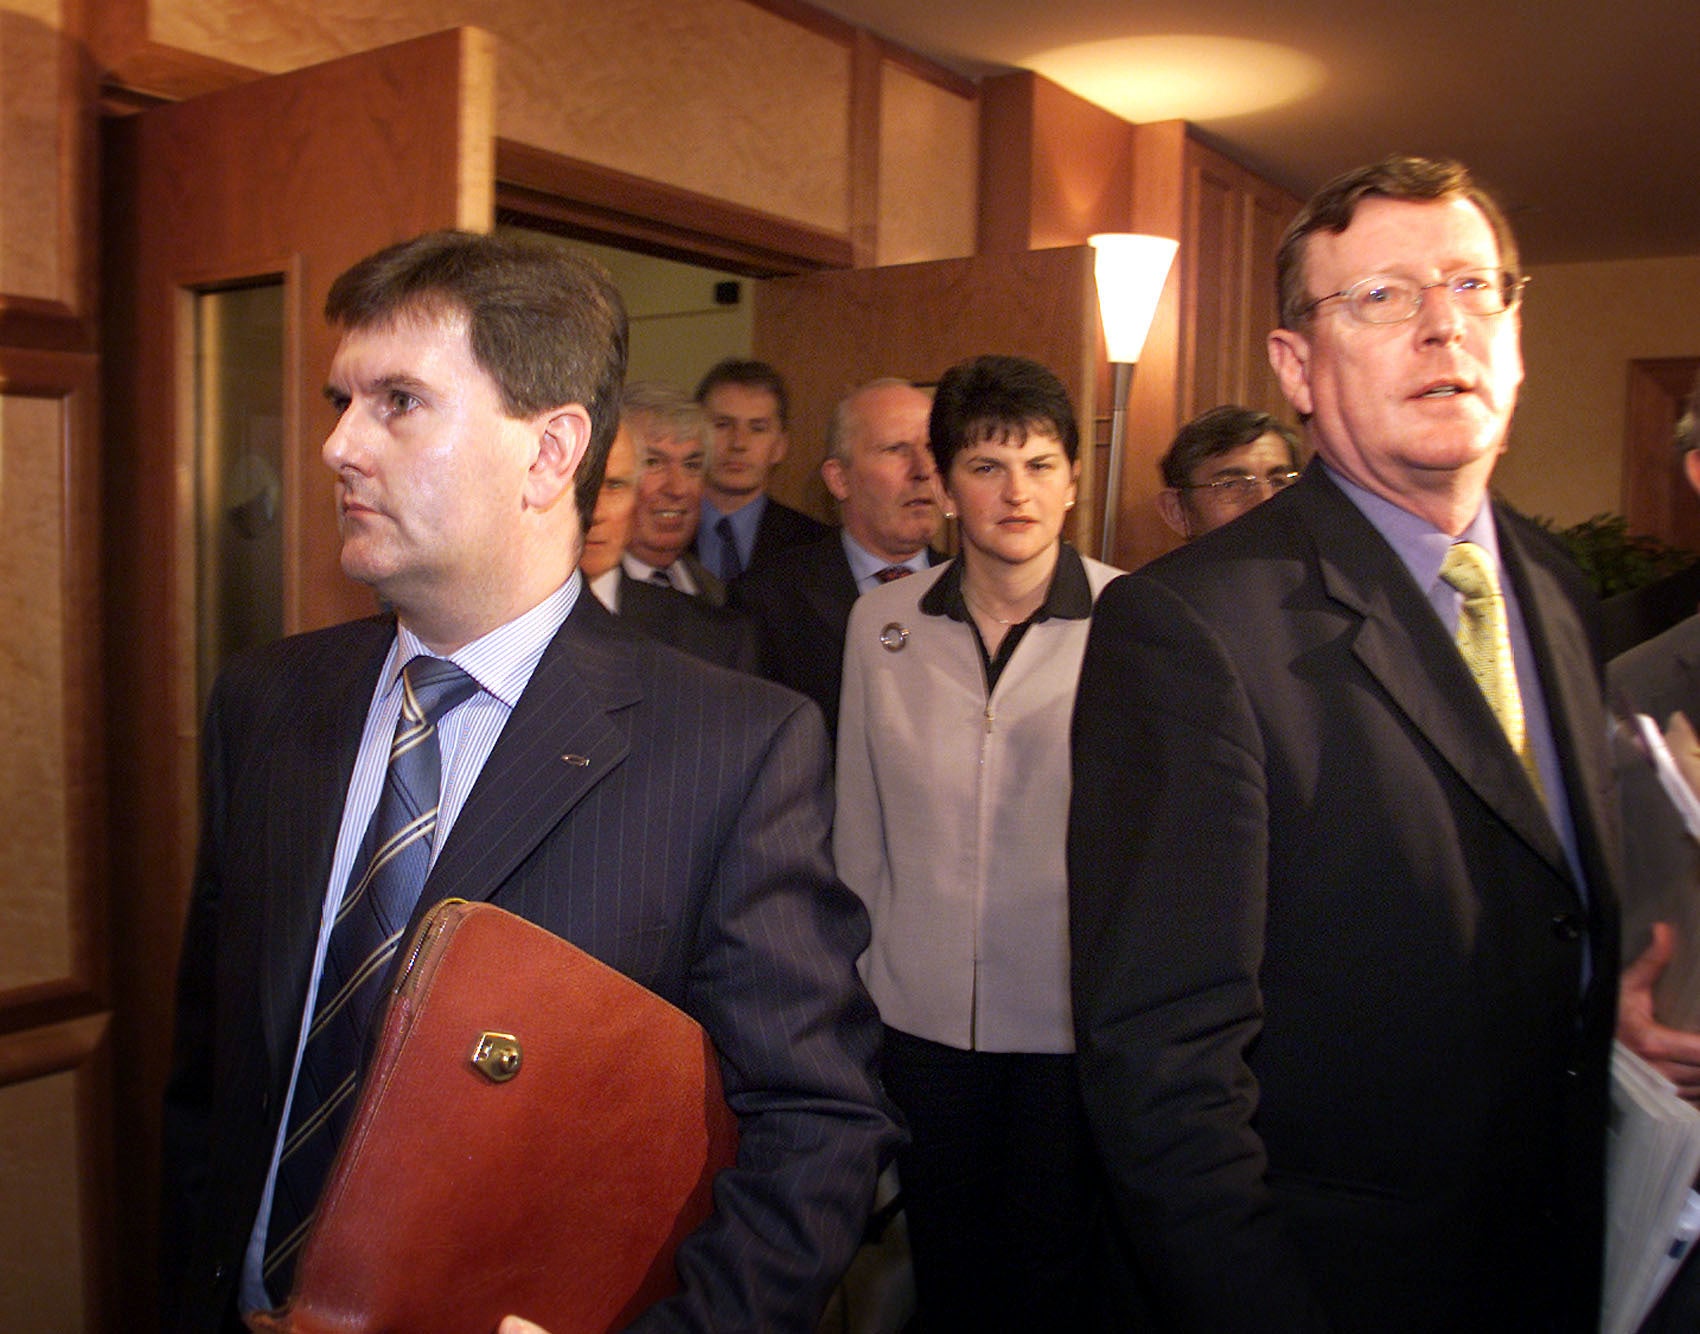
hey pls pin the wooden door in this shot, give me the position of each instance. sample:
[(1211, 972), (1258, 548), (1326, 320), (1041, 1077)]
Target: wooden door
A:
[(280, 183), (828, 332), (1657, 499)]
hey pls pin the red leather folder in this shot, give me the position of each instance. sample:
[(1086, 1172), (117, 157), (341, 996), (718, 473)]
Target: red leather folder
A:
[(536, 1135)]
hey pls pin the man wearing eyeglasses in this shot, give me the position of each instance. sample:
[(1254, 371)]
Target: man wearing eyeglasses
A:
[(1341, 853), (1220, 464)]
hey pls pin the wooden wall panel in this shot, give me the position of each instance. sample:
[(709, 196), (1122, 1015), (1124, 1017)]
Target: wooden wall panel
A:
[(1054, 169), (41, 1242), (829, 332), (925, 212), (51, 858), (35, 869), (681, 94), (32, 213), (46, 164), (54, 1155)]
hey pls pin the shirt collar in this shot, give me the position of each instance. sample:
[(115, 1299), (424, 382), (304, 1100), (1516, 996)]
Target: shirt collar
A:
[(865, 565), (1417, 542), (1068, 598), (503, 660)]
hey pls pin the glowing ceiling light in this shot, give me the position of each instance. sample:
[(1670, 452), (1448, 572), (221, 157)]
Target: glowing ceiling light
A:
[(1181, 78)]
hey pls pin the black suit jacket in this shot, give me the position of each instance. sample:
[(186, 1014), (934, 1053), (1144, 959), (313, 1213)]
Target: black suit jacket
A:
[(800, 602), (1328, 953), (690, 852), (715, 634)]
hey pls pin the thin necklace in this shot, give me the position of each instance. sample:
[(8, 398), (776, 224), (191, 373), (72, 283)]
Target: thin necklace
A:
[(987, 612)]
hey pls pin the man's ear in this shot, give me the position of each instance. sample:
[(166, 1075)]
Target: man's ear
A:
[(832, 473), (783, 445), (1691, 468), (1289, 357), (563, 437), (1173, 509)]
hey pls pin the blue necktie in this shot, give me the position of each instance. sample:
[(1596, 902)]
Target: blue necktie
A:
[(376, 906), (730, 566)]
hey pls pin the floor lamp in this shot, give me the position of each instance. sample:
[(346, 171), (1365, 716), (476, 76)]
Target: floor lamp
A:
[(1131, 272)]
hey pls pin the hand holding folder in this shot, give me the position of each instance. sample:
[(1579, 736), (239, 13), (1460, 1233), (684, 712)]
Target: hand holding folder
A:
[(536, 1134)]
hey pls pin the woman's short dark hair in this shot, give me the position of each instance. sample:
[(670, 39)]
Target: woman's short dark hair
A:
[(998, 398), (547, 325)]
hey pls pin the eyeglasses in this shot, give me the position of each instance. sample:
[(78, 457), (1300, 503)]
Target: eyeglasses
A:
[(1385, 299), (1245, 488)]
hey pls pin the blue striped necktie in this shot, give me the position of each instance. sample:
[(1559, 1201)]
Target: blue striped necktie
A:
[(375, 908)]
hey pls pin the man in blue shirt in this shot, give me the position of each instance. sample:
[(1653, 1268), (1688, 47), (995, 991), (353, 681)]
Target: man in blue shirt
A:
[(742, 526)]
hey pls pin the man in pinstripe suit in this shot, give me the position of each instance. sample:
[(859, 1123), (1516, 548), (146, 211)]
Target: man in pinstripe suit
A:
[(667, 817)]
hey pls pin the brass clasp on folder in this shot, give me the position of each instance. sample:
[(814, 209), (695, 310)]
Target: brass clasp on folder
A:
[(496, 1056)]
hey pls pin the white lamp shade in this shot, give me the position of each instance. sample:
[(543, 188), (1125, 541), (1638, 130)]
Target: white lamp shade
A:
[(1131, 272)]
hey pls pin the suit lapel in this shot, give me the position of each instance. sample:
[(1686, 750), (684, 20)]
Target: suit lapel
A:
[(303, 817), (1571, 686), (1403, 645), (564, 736), (830, 588)]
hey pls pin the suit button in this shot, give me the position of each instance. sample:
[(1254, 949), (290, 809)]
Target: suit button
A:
[(1567, 926), (219, 1272)]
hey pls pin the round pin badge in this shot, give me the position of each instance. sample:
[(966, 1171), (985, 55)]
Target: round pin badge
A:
[(894, 637)]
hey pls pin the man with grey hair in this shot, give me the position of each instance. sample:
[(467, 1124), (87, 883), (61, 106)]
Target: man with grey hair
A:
[(880, 470), (715, 634), (674, 446)]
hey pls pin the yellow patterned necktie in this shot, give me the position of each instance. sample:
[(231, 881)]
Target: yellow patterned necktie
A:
[(1484, 638)]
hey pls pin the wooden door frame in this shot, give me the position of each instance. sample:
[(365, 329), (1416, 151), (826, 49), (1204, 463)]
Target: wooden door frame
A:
[(1657, 499)]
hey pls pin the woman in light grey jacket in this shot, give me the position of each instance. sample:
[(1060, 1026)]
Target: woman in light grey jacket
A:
[(953, 787)]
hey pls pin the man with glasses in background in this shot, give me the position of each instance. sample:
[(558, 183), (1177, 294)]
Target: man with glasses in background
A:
[(1220, 464), (1341, 846)]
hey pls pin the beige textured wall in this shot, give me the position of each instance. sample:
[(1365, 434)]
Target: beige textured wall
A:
[(677, 331), (32, 134), (929, 167), (1582, 325), (716, 96), (35, 923)]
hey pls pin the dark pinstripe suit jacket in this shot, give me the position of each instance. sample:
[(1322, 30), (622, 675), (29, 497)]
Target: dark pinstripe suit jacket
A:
[(690, 852)]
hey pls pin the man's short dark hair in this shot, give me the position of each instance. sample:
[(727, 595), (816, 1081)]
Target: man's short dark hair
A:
[(1414, 179), (998, 398), (1216, 432), (548, 326), (750, 374)]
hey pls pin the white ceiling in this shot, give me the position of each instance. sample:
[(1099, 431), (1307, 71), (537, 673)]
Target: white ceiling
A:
[(1583, 117)]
